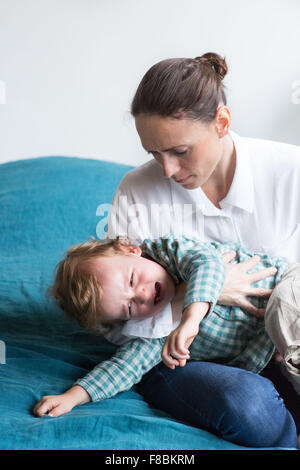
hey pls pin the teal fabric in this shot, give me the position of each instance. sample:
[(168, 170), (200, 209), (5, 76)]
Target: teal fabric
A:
[(46, 205)]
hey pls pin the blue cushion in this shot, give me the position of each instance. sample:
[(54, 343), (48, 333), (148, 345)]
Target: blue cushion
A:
[(46, 205)]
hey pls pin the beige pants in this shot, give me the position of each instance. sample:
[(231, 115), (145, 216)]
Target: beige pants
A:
[(282, 321)]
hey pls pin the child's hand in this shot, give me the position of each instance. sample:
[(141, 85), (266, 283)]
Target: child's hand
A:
[(53, 405), (175, 350), (56, 405)]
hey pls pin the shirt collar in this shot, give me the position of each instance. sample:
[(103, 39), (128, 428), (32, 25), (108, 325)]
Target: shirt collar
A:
[(241, 192)]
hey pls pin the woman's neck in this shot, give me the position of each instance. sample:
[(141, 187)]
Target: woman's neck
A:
[(218, 185)]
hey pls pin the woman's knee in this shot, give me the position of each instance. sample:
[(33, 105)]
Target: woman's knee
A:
[(238, 405), (255, 415)]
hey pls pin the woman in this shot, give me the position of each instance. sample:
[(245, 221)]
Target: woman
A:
[(236, 189)]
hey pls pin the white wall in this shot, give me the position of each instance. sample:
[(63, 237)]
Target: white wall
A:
[(71, 68)]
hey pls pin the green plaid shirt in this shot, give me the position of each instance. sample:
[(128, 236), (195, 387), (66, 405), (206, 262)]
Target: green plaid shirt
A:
[(227, 335)]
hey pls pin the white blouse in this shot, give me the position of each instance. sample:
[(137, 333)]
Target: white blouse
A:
[(261, 211)]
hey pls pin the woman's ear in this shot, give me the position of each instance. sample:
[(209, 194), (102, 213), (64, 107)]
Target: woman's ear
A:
[(222, 121)]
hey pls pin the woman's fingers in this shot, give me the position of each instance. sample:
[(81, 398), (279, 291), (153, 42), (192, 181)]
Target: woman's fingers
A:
[(259, 292), (252, 310), (250, 263), (262, 274), (228, 257)]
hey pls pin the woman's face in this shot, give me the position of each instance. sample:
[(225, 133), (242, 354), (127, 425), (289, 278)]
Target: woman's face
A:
[(189, 151)]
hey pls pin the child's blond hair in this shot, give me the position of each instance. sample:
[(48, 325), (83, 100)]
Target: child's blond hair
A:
[(76, 289)]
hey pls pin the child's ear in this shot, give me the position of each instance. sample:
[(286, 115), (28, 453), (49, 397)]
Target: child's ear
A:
[(131, 250), (135, 250)]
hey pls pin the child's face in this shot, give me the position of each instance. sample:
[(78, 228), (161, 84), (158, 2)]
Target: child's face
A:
[(132, 286)]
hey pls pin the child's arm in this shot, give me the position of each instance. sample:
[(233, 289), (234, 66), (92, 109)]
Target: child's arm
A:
[(200, 265), (175, 350), (203, 269), (124, 369), (56, 405)]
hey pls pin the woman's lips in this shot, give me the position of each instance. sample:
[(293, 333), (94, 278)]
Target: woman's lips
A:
[(183, 180)]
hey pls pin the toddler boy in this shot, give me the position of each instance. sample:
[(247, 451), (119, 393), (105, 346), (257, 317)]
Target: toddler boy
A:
[(102, 284)]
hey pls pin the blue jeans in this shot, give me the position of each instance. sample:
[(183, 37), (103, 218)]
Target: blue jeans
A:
[(237, 405)]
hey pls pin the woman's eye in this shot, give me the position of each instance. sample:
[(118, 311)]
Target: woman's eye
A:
[(182, 152), (129, 309), (131, 280)]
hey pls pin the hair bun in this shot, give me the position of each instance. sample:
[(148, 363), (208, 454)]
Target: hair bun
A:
[(215, 62)]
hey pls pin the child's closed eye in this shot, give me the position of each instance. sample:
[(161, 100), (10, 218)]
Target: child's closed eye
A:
[(131, 284)]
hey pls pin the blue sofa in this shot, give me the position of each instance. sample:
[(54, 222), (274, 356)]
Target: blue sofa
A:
[(46, 205)]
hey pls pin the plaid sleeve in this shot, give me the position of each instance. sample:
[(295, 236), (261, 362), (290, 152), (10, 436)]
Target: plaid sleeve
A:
[(197, 263), (256, 354), (124, 369), (202, 267)]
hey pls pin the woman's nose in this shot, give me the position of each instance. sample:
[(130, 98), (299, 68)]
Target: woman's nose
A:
[(169, 165)]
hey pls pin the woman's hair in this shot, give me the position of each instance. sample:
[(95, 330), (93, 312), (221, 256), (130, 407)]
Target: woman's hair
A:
[(76, 289), (191, 88)]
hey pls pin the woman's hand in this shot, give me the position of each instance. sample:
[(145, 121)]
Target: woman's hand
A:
[(238, 284), (56, 405)]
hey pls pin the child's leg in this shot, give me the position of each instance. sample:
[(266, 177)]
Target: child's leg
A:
[(282, 320)]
